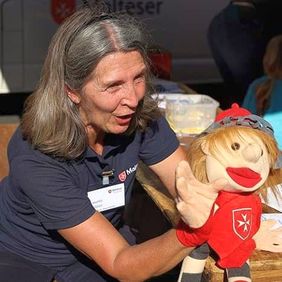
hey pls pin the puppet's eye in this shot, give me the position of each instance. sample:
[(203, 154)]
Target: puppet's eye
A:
[(235, 146)]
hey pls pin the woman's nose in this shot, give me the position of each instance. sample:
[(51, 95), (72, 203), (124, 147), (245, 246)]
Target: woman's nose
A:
[(252, 152), (130, 96)]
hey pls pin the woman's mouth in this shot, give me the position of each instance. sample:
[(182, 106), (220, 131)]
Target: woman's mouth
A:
[(124, 120), (244, 176)]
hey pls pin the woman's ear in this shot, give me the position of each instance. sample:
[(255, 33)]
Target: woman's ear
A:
[(73, 95), (205, 147)]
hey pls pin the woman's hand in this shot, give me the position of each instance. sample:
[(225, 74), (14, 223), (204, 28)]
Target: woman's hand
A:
[(195, 200)]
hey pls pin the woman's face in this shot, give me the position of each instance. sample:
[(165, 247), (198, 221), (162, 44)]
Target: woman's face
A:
[(109, 99)]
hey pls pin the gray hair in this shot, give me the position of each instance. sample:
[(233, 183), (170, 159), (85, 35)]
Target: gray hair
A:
[(51, 122)]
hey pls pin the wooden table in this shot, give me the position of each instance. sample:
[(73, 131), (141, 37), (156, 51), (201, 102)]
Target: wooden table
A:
[(265, 266)]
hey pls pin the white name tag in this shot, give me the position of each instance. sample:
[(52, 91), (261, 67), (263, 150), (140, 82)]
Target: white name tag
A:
[(107, 198)]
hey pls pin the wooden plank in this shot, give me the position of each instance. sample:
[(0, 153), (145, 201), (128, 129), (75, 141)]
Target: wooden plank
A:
[(6, 131)]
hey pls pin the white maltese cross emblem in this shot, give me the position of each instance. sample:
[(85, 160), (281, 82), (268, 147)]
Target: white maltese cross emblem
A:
[(242, 222)]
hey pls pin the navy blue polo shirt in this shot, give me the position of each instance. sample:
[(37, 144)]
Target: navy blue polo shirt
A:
[(43, 194)]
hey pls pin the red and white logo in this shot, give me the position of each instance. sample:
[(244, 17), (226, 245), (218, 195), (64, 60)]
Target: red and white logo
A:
[(61, 9), (122, 176), (242, 222)]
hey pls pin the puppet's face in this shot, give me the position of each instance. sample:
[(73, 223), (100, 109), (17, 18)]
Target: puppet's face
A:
[(244, 163)]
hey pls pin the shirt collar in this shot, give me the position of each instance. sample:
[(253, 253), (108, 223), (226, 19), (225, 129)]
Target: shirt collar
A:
[(111, 142)]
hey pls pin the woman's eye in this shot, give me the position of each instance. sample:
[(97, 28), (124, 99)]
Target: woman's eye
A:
[(140, 79), (235, 146), (113, 88)]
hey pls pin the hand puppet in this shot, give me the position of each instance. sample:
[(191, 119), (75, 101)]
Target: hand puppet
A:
[(241, 148)]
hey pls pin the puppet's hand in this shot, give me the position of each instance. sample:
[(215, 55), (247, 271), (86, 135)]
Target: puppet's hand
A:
[(267, 238), (195, 199)]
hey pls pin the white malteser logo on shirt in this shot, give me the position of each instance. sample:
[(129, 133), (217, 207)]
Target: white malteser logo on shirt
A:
[(242, 222), (122, 176)]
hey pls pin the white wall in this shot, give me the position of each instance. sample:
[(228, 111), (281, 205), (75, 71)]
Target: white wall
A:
[(180, 26), (27, 27)]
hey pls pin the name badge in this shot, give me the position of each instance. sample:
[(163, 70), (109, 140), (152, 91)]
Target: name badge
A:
[(107, 198)]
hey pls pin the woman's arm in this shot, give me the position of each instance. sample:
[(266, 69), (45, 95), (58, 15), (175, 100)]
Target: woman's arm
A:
[(101, 242), (166, 169)]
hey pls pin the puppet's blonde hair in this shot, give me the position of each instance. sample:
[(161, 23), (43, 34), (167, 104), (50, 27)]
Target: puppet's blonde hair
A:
[(220, 137)]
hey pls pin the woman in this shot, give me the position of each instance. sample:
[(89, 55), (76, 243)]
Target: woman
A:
[(237, 36), (74, 157)]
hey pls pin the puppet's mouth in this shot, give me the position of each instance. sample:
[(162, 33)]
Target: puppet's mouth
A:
[(244, 176)]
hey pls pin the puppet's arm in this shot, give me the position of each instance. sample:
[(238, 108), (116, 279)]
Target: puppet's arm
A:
[(267, 238)]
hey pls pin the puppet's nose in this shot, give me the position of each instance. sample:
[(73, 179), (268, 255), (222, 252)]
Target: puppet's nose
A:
[(252, 152)]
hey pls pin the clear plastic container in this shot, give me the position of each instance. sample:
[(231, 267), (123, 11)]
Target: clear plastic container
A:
[(188, 114)]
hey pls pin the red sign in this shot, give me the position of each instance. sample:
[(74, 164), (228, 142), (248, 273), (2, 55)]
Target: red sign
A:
[(61, 9)]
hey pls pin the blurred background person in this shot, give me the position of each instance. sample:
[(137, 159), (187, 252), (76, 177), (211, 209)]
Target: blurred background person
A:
[(264, 95), (237, 37)]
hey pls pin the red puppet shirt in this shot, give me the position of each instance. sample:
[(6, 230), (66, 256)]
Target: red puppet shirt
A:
[(234, 224)]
